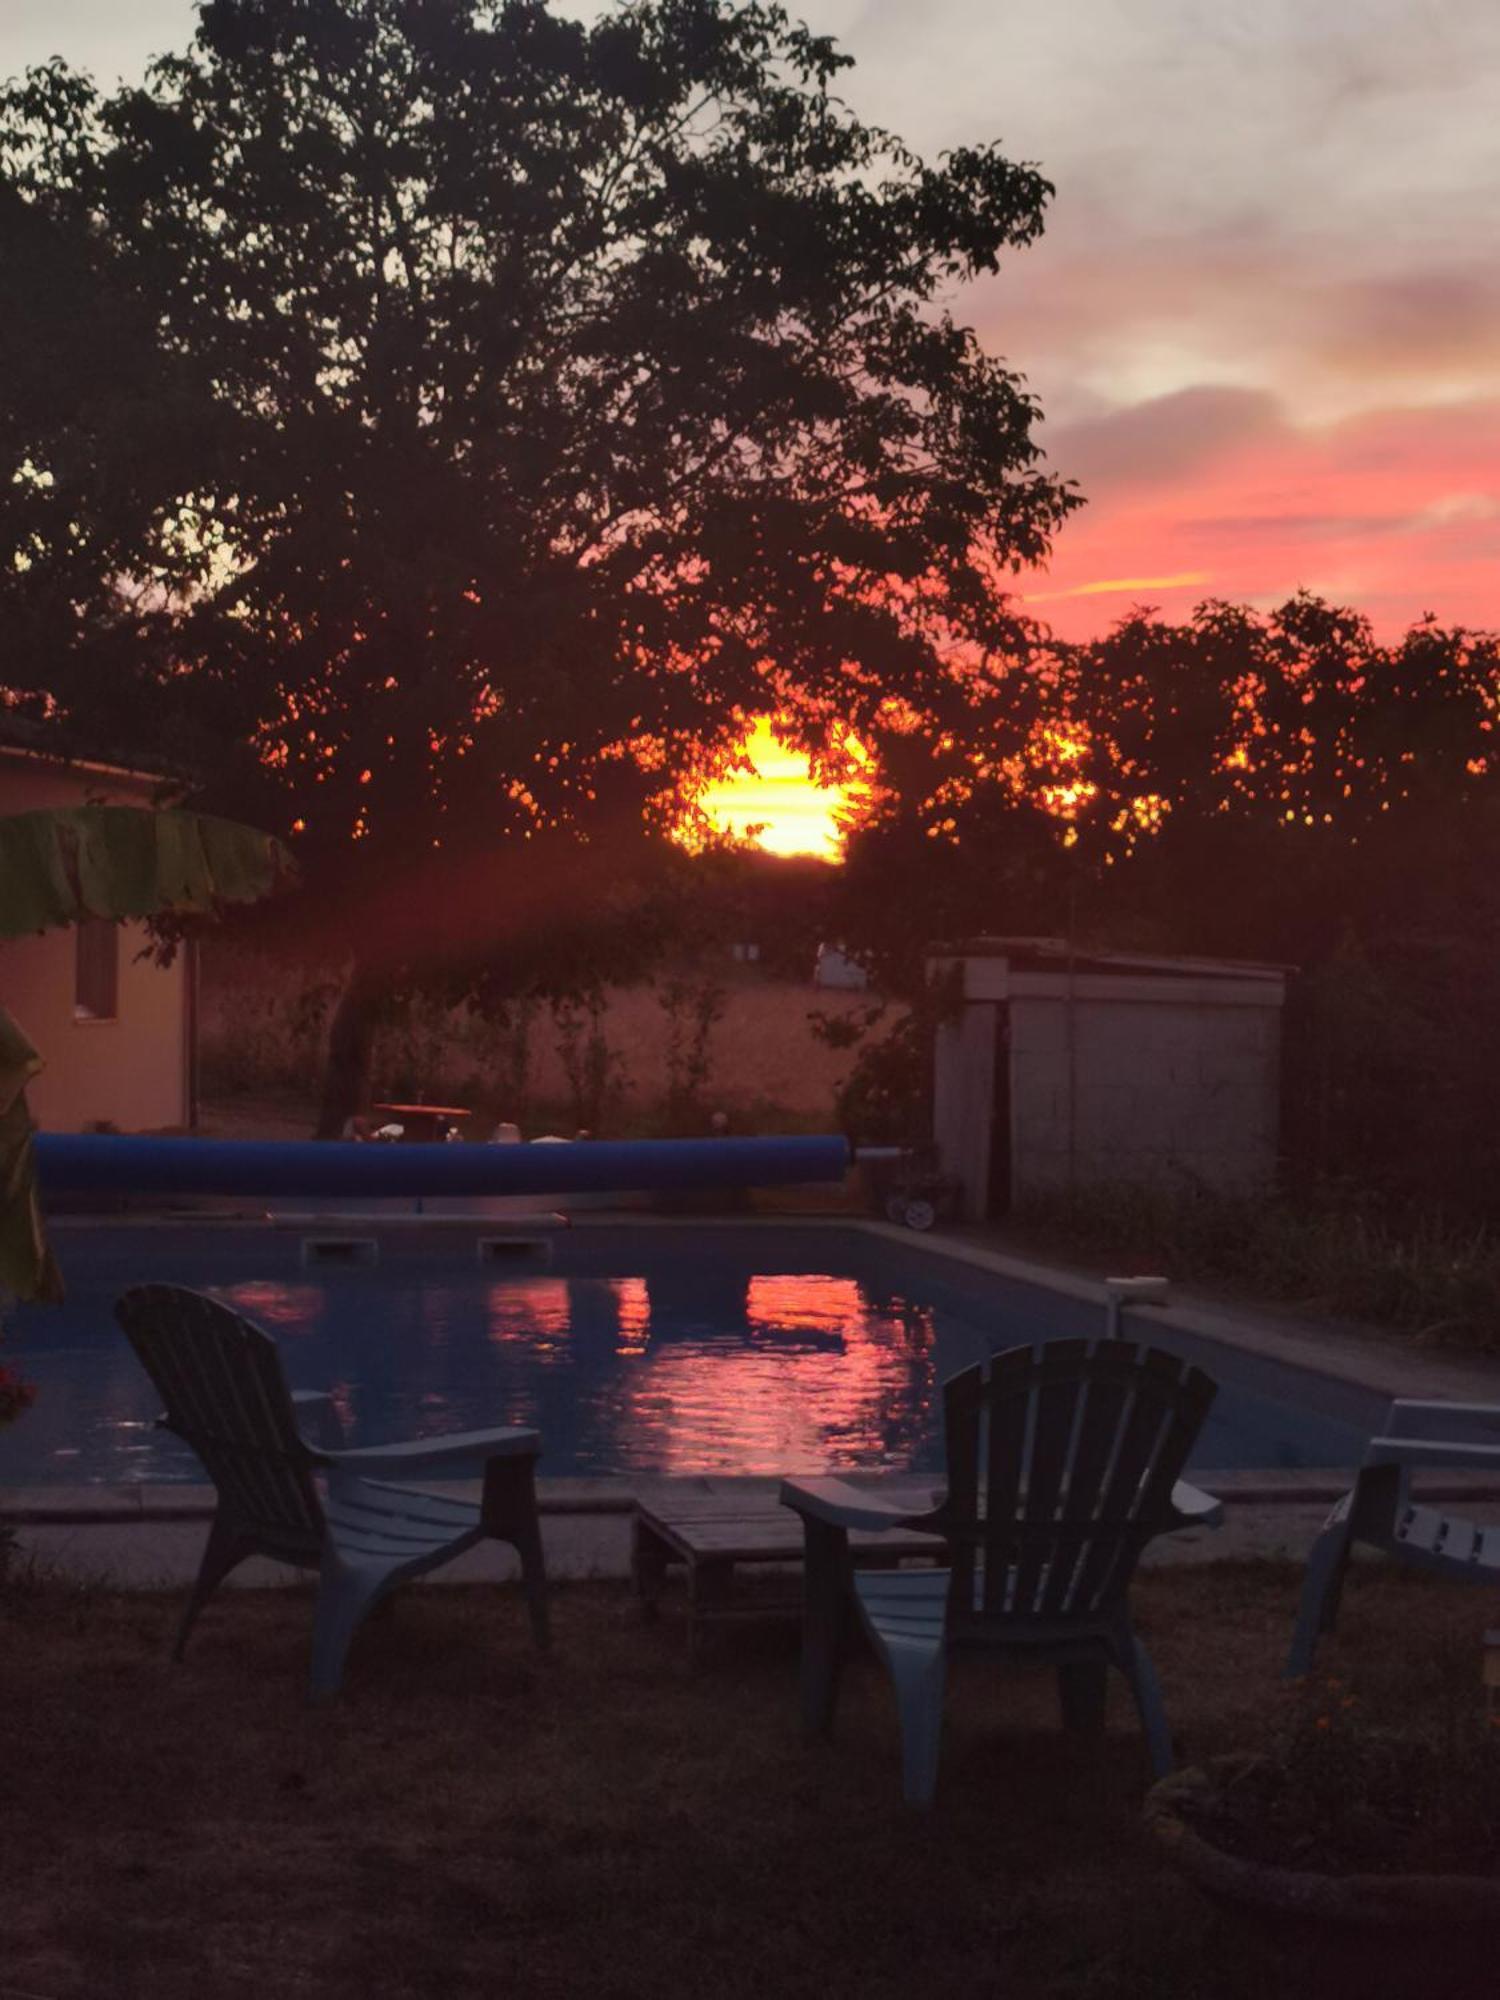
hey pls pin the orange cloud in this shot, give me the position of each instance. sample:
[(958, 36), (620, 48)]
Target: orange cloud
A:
[(1123, 586)]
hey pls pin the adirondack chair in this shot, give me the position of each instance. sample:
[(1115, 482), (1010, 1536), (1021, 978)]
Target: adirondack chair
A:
[(1063, 1463), (221, 1380), (1378, 1511)]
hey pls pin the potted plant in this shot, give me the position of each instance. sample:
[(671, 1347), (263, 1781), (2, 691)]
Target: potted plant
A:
[(1370, 1848)]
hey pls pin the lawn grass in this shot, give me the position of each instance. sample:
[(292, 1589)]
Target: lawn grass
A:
[(470, 1819)]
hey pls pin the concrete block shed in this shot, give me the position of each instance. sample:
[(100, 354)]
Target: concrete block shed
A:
[(1064, 1069)]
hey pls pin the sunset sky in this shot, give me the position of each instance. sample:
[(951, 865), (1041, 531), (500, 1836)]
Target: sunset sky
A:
[(1264, 320)]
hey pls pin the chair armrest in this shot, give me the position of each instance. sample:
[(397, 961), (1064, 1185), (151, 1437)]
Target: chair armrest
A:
[(1195, 1508), (318, 1419), (1413, 1452), (1452, 1423), (837, 1504), (425, 1455)]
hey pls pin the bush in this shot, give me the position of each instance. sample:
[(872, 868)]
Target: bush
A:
[(503, 1045), (693, 1009), (265, 1038), (595, 1070), (886, 1100), (1429, 1278)]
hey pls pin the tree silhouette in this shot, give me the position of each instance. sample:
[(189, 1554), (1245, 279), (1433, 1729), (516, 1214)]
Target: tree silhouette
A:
[(471, 417)]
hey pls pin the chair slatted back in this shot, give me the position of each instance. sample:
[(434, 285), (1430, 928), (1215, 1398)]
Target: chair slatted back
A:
[(1061, 1462), (225, 1395)]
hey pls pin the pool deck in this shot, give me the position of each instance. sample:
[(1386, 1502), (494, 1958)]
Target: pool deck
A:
[(151, 1538), (1394, 1364), (145, 1536)]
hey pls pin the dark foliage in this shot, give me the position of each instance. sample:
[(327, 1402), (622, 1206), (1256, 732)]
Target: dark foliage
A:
[(1276, 787)]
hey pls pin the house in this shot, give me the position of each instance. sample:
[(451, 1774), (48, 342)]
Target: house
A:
[(1060, 1069), (116, 1030), (838, 972)]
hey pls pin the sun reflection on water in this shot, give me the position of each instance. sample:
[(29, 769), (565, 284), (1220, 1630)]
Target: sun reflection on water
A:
[(275, 1303), (699, 1366), (535, 1314), (815, 1376), (635, 1316)]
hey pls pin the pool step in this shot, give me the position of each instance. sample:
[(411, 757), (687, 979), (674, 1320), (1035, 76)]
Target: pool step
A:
[(514, 1250), (340, 1250)]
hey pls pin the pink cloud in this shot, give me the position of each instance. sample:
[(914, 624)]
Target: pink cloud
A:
[(1395, 511)]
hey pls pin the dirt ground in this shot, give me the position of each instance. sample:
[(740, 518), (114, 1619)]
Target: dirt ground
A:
[(473, 1819)]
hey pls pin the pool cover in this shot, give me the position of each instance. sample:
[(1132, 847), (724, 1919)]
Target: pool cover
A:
[(102, 1163)]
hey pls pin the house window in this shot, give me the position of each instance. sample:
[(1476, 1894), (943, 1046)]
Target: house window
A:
[(96, 970)]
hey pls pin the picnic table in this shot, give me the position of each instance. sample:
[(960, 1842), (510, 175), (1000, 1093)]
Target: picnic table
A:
[(711, 1532)]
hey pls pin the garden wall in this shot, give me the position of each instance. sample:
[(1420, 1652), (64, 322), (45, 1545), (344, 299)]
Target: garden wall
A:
[(264, 1034)]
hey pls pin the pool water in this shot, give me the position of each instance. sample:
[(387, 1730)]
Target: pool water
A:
[(716, 1349)]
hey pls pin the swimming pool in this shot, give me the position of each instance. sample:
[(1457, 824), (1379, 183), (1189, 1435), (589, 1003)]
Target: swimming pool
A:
[(635, 1350)]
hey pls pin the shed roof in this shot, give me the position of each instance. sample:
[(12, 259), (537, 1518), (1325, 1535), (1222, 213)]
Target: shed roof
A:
[(1050, 952)]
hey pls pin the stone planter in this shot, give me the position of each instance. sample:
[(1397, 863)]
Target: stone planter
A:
[(1438, 1933)]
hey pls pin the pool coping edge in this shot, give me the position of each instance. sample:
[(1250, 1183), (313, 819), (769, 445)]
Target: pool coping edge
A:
[(126, 1506)]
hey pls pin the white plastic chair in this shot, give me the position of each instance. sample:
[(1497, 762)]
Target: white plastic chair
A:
[(1063, 1463), (1378, 1510), (221, 1380)]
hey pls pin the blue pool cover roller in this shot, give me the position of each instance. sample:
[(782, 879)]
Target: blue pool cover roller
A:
[(104, 1163)]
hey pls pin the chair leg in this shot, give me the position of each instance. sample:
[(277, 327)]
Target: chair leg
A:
[(509, 1513), (1136, 1665), (826, 1610), (1322, 1587), (920, 1674), (528, 1544), (1083, 1693), (344, 1598), (649, 1558), (223, 1552)]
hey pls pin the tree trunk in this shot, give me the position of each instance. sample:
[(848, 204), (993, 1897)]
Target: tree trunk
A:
[(351, 1034)]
